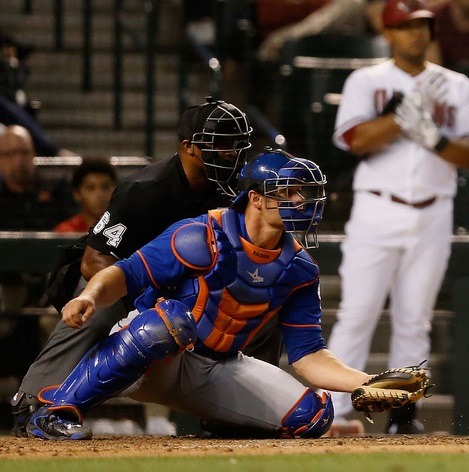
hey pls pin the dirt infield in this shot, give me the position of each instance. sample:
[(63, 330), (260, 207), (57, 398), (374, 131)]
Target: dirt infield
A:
[(120, 446)]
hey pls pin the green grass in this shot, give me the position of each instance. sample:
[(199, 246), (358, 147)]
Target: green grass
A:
[(330, 462)]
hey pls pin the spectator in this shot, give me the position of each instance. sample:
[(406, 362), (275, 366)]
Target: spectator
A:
[(92, 183), (282, 20), (451, 45), (15, 107), (27, 202), (398, 237)]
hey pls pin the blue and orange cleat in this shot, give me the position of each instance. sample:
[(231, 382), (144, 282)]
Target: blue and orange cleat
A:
[(57, 423)]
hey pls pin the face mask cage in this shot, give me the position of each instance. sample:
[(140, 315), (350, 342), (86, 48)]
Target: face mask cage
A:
[(223, 142), (222, 166), (300, 204)]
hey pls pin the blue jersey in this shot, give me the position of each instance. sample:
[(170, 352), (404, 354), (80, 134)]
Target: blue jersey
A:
[(232, 287)]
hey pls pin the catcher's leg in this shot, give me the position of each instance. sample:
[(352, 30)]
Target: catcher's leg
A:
[(311, 417), (64, 349), (110, 367), (240, 396)]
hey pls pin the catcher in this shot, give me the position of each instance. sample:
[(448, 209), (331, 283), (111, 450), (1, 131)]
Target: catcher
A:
[(236, 269)]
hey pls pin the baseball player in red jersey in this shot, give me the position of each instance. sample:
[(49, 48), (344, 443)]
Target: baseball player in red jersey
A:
[(235, 269), (407, 120)]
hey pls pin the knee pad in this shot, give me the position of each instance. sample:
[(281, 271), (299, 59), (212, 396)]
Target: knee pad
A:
[(117, 362), (310, 417), (164, 330)]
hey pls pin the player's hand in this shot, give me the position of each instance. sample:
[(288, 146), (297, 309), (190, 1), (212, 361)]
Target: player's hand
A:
[(432, 89), (78, 311), (416, 121), (409, 113)]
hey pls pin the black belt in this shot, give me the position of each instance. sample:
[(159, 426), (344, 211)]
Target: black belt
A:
[(393, 198)]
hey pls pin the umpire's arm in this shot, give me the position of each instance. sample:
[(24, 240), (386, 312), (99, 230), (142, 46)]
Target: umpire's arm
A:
[(93, 261)]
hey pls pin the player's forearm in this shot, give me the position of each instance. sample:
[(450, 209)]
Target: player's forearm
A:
[(372, 135), (456, 152), (106, 287), (323, 370), (326, 18)]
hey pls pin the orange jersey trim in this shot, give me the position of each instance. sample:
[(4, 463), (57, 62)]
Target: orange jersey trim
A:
[(145, 263), (301, 325), (265, 320)]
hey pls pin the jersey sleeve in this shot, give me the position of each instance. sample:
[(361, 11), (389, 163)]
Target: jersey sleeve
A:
[(300, 322), (356, 106), (155, 264), (125, 226)]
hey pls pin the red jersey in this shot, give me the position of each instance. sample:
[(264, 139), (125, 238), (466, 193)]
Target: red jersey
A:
[(75, 224), (275, 14)]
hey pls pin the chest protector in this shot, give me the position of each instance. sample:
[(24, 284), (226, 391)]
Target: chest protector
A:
[(246, 287)]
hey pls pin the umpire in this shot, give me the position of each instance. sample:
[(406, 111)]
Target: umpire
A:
[(213, 139)]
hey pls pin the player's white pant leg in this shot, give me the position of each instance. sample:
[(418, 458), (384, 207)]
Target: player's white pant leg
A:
[(417, 284), (374, 236), (242, 390), (124, 321)]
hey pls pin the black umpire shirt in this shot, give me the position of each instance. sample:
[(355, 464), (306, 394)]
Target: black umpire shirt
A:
[(144, 205)]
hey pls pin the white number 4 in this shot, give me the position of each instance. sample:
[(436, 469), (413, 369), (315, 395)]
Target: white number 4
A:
[(114, 234)]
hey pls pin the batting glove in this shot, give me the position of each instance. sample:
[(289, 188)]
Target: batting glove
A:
[(408, 114), (432, 88), (417, 124)]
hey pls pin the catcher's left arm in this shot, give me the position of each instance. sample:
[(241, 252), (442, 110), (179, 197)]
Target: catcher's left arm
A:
[(393, 388)]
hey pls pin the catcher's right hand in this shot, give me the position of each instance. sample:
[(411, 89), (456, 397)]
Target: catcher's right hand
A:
[(78, 311)]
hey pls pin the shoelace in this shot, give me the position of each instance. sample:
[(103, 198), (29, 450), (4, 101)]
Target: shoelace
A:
[(66, 423)]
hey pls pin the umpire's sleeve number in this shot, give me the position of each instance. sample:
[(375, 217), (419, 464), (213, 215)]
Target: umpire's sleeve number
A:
[(113, 233)]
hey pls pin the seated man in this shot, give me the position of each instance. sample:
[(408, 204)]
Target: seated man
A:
[(223, 276), (27, 202)]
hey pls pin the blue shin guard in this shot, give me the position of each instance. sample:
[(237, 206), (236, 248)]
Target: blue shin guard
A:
[(117, 362), (311, 417)]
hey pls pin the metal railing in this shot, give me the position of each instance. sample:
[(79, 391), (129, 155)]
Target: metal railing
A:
[(144, 42), (208, 60), (121, 28)]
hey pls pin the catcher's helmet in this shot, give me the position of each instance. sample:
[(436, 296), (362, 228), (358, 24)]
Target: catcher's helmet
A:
[(222, 132), (298, 186), (398, 12)]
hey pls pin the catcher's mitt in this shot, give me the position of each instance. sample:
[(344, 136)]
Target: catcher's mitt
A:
[(391, 389)]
